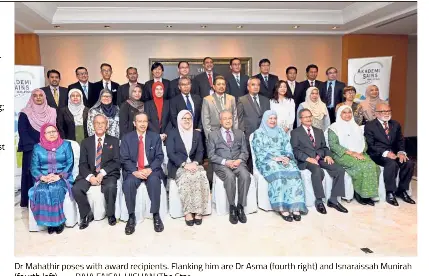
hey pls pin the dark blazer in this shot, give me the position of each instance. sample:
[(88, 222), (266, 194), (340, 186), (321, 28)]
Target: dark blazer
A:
[(267, 91), (124, 92), (303, 147), (63, 100), (147, 90), (130, 152), (249, 117), (299, 96), (154, 126), (174, 89), (377, 140), (338, 92), (177, 104), (232, 87), (177, 154), (202, 85), (90, 92), (110, 161), (126, 119), (28, 136), (66, 125), (98, 86)]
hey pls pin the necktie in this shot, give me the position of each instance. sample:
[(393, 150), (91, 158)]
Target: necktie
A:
[(386, 129), (266, 80), (98, 156), (106, 86), (140, 162), (222, 102), (189, 105), (312, 83), (210, 80), (56, 96), (228, 138), (238, 81), (311, 137), (292, 87), (85, 90), (256, 102), (329, 95)]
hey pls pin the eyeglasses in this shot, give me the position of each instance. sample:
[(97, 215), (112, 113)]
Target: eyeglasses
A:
[(350, 92), (384, 111), (82, 74), (187, 119), (306, 117), (51, 132)]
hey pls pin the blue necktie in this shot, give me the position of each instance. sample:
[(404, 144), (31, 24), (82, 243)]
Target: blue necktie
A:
[(238, 81), (85, 90), (189, 105)]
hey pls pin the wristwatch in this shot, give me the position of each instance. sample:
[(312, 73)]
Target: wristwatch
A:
[(183, 164)]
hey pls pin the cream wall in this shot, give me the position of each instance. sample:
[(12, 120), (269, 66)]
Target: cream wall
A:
[(66, 52), (411, 107)]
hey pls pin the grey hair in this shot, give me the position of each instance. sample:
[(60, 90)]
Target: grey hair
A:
[(185, 78), (224, 111), (253, 78), (302, 111), (101, 115)]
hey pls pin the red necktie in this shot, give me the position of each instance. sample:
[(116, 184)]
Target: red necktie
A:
[(140, 162), (210, 80)]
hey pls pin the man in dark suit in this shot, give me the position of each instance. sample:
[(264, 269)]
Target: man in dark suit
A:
[(268, 81), (203, 83), (250, 109), (105, 83), (386, 147), (332, 92), (124, 89), (157, 70), (141, 159), (227, 150), (183, 70), (99, 164), (236, 83), (83, 85), (310, 150), (291, 83), (56, 96), (188, 101)]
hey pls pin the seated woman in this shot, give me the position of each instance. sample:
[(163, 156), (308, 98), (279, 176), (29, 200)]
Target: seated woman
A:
[(105, 106), (51, 167), (72, 119), (317, 107), (348, 148), (367, 107), (276, 163), (159, 111), (129, 108), (349, 93), (185, 151), (284, 105)]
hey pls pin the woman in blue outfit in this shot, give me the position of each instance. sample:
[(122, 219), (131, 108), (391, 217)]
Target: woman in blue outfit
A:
[(51, 168), (276, 163)]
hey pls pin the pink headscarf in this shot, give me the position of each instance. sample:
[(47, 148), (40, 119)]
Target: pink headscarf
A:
[(39, 114), (47, 145)]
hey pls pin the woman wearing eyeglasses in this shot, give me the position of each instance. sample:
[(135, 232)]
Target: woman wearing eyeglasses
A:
[(105, 106), (349, 94)]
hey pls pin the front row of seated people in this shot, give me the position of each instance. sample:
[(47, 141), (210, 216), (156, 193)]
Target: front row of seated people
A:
[(278, 158)]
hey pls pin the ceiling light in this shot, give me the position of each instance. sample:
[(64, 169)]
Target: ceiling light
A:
[(169, 26), (334, 28), (57, 27), (296, 27), (203, 26), (107, 27), (240, 27)]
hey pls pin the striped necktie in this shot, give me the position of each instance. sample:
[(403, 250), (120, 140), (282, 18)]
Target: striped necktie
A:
[(98, 157), (238, 81), (386, 129), (311, 137)]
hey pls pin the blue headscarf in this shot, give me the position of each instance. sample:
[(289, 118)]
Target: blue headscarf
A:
[(272, 132)]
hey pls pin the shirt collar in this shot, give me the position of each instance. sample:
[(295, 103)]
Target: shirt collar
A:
[(333, 82), (382, 122), (84, 84), (155, 80), (236, 74), (224, 130), (305, 128), (102, 137), (52, 87), (265, 75), (144, 135)]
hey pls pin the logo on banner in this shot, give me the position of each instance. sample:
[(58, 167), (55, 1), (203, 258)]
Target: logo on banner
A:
[(23, 83), (368, 73)]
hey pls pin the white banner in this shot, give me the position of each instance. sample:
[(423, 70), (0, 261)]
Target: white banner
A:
[(27, 78), (363, 72)]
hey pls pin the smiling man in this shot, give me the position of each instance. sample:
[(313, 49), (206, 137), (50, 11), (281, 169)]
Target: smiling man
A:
[(56, 96), (203, 83)]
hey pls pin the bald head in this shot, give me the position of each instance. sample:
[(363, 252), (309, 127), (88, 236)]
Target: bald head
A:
[(383, 112)]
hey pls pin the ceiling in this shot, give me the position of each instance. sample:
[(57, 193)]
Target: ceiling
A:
[(217, 18)]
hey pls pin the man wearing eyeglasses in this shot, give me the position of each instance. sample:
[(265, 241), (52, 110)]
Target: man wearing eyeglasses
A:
[(106, 83), (386, 146), (83, 85)]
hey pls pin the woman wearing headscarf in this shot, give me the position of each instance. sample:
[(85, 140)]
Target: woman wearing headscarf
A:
[(159, 111), (31, 118), (52, 170), (349, 93), (348, 147), (72, 119), (129, 108), (105, 106), (317, 107), (275, 161), (367, 107), (284, 105), (185, 151)]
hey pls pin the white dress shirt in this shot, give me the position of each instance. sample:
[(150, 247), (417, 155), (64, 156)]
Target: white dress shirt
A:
[(257, 99), (190, 100), (109, 84), (292, 85), (102, 171), (157, 80), (312, 83), (223, 131), (311, 131)]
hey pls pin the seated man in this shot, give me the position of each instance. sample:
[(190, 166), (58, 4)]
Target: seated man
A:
[(227, 150), (141, 158), (386, 147), (311, 152), (99, 164)]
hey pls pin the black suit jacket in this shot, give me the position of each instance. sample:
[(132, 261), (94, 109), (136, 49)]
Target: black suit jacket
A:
[(147, 89), (174, 89), (124, 92), (377, 140), (126, 119), (249, 117), (267, 91), (202, 85), (98, 86), (66, 124), (110, 159), (303, 147), (299, 96), (232, 87), (150, 109), (63, 100), (90, 89), (177, 154), (178, 104), (338, 92)]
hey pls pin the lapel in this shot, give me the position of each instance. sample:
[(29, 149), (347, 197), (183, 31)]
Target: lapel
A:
[(147, 142), (219, 133), (263, 81), (304, 132), (105, 146), (215, 103), (91, 151), (381, 129), (135, 141), (85, 98), (69, 115), (252, 104), (50, 96)]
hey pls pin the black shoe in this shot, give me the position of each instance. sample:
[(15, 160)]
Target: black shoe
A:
[(369, 201), (405, 197), (320, 208), (158, 226), (241, 215), (131, 225), (359, 199), (338, 207), (86, 220), (111, 220), (51, 230), (233, 217), (198, 221), (296, 217), (189, 222), (391, 199), (288, 218), (60, 229)]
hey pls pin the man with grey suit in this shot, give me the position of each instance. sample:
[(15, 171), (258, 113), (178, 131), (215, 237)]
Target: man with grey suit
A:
[(227, 151), (236, 83), (311, 152)]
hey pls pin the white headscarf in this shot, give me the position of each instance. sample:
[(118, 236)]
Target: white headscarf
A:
[(186, 135), (76, 109), (318, 108), (349, 133)]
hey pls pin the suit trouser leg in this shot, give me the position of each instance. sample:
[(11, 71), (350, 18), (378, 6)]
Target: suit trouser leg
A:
[(390, 172), (229, 182), (79, 190), (153, 185), (243, 183), (337, 173), (129, 187), (317, 175), (406, 171), (332, 115), (249, 162), (109, 189)]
